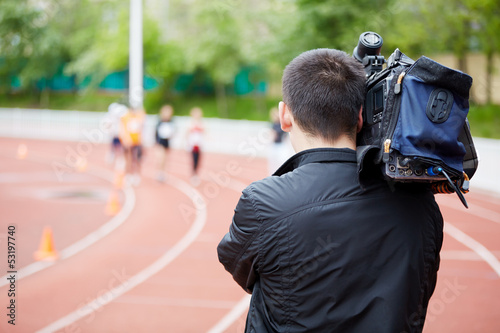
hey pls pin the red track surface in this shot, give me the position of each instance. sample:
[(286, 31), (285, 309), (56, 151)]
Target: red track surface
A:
[(190, 292)]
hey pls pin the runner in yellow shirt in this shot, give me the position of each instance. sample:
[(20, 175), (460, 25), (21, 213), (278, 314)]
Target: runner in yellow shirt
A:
[(131, 127)]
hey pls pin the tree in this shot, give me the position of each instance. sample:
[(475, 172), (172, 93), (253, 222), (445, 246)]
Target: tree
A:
[(485, 28), (108, 50), (30, 48), (103, 46), (459, 26), (35, 42), (338, 24), (212, 41)]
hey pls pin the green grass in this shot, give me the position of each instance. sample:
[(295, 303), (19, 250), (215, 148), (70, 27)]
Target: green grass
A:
[(60, 101), (250, 108), (484, 119), (238, 107)]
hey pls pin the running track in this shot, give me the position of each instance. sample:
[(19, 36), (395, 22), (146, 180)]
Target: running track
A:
[(153, 267)]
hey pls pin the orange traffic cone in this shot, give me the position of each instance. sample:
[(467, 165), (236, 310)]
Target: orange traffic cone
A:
[(22, 151), (46, 250), (113, 205), (81, 164)]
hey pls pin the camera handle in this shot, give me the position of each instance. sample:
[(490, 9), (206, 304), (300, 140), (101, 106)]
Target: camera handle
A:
[(373, 64)]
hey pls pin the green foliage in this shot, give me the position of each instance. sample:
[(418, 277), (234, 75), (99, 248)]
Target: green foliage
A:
[(104, 48), (62, 101), (39, 37), (212, 42), (29, 47), (487, 24), (220, 37), (90, 38), (17, 28), (337, 23), (240, 107), (164, 61)]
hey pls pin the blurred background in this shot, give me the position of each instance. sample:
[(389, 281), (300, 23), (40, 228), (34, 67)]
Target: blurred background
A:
[(227, 55), (64, 62)]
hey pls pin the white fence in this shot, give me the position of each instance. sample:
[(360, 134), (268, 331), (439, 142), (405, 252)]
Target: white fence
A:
[(222, 135), (487, 176), (251, 138)]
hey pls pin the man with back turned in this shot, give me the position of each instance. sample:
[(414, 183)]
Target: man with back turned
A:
[(318, 251)]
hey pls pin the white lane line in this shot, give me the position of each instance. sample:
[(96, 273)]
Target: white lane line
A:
[(475, 210), (162, 262), (88, 240), (239, 309), (104, 229), (24, 177), (490, 197), (486, 214), (474, 245), (177, 302), (232, 316), (460, 255)]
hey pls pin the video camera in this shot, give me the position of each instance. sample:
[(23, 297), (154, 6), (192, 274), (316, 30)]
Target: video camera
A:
[(415, 119)]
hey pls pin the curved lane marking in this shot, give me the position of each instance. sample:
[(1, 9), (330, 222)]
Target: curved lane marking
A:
[(89, 239), (232, 315), (239, 309), (162, 262), (474, 245), (481, 212)]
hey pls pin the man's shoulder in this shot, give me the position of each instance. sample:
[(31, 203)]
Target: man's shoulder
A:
[(304, 186), (271, 194), (309, 183), (270, 186)]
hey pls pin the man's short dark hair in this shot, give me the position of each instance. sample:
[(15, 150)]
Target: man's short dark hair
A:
[(324, 89)]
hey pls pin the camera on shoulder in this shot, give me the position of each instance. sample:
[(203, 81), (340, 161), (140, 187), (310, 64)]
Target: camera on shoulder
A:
[(415, 119)]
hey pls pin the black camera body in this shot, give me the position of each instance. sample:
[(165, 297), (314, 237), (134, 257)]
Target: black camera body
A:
[(377, 86), (376, 95)]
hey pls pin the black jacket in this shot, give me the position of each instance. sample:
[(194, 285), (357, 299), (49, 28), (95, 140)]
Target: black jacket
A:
[(320, 253)]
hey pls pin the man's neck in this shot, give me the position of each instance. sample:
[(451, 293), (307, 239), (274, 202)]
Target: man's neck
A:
[(304, 142)]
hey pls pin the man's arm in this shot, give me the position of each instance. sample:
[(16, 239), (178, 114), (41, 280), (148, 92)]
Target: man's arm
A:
[(238, 250)]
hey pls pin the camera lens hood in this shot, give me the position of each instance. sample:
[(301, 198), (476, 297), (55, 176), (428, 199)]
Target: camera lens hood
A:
[(369, 44)]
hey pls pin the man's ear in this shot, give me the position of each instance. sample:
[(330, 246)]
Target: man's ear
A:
[(360, 120), (285, 117)]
